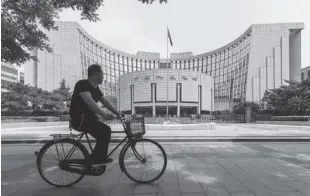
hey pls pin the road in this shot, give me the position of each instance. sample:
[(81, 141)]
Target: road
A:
[(194, 169)]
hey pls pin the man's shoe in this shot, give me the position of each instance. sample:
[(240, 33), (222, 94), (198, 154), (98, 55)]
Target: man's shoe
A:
[(102, 162)]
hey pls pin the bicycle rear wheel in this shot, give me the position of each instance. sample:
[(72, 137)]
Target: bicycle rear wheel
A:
[(144, 161), (49, 157)]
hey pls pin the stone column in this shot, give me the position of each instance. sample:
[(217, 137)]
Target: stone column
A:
[(133, 111), (247, 115), (199, 100), (178, 100), (153, 100)]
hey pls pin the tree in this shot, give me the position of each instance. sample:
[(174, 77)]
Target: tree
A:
[(291, 99), (63, 90), (23, 23), (240, 107), (12, 101)]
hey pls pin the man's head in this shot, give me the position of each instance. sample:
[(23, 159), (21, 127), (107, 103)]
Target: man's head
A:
[(95, 73)]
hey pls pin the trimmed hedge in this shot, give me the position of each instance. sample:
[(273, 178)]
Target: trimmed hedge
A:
[(36, 113), (266, 117), (290, 118), (64, 117), (13, 119)]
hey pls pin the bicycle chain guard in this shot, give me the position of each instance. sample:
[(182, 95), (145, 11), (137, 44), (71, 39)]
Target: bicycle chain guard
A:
[(97, 171), (88, 170)]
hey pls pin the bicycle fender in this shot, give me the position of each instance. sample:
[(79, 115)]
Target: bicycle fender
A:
[(121, 165)]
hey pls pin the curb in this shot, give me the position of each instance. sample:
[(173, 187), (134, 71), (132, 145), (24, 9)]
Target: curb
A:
[(207, 139)]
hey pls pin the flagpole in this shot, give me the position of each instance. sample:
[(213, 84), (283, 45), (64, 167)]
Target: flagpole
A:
[(167, 108)]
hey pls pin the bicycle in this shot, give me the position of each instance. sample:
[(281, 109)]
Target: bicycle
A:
[(79, 167)]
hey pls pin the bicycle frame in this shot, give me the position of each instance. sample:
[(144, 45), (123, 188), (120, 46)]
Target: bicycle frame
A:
[(81, 135)]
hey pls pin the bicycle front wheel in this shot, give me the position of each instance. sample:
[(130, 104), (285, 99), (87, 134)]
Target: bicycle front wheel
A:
[(143, 160)]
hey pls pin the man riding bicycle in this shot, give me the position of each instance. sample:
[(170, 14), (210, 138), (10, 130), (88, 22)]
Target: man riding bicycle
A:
[(84, 110)]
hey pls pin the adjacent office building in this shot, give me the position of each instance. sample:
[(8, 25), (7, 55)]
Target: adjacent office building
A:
[(305, 73), (22, 77), (261, 58), (10, 74)]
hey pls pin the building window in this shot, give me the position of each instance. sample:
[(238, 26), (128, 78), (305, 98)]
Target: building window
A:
[(147, 64), (195, 68), (191, 64), (142, 65), (173, 64), (302, 76), (156, 64)]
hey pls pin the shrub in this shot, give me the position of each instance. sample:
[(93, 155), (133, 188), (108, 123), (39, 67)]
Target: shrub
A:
[(66, 112), (58, 112), (267, 112), (240, 107), (41, 119), (16, 113)]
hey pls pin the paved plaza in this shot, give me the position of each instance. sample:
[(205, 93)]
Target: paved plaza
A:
[(194, 169)]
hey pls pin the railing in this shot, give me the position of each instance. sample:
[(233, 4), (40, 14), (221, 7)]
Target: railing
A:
[(231, 118), (281, 118)]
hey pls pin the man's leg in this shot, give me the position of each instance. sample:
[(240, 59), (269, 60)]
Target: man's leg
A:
[(102, 133)]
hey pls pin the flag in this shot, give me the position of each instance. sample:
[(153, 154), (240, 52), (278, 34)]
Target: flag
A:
[(169, 36)]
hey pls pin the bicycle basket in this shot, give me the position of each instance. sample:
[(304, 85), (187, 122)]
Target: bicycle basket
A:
[(136, 126)]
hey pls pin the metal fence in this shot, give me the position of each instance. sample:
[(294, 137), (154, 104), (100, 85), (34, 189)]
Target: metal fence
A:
[(216, 118), (231, 118)]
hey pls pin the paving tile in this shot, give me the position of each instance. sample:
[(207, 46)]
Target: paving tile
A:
[(234, 186), (215, 190), (258, 188), (243, 194), (287, 194), (169, 177), (168, 188), (190, 187), (236, 171), (276, 173), (206, 178), (277, 186), (123, 189), (173, 194), (263, 177), (193, 194), (124, 179), (146, 188), (299, 186)]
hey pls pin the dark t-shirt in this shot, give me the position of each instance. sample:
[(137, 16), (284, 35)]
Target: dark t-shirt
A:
[(78, 107)]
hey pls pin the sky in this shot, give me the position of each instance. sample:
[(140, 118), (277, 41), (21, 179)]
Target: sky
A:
[(198, 26)]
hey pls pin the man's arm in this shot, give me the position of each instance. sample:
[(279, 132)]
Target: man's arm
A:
[(108, 105), (92, 105)]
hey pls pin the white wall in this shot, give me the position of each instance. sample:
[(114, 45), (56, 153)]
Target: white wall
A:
[(65, 62), (270, 57), (142, 87), (295, 56)]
